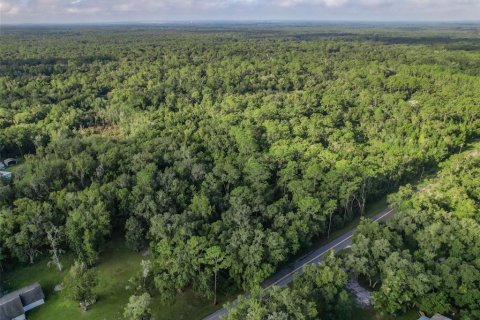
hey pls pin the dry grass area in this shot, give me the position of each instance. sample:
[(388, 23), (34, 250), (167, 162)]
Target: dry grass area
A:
[(112, 131)]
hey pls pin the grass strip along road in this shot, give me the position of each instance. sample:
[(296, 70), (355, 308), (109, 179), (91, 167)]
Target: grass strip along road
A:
[(286, 275)]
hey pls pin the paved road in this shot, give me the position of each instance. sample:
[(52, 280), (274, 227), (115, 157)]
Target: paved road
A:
[(286, 275)]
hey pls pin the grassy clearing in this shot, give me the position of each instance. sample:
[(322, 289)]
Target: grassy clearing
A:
[(371, 314), (116, 265), (188, 307)]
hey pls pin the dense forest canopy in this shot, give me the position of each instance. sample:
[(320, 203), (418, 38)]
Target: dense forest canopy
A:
[(426, 257), (436, 264), (226, 151)]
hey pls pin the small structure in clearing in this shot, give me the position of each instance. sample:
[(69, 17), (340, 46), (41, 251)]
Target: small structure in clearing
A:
[(5, 175), (10, 162), (13, 305)]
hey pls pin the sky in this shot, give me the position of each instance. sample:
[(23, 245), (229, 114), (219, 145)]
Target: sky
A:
[(106, 11)]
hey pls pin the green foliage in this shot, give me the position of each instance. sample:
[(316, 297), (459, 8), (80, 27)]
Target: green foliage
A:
[(24, 229), (116, 265), (80, 283), (434, 266), (403, 282), (326, 285), (372, 244), (254, 141), (275, 303), (215, 259), (87, 225), (138, 308), (318, 293), (134, 234)]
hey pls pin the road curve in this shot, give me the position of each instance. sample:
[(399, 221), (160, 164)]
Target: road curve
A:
[(286, 275)]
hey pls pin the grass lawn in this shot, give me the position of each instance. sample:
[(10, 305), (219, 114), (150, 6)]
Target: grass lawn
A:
[(188, 307), (116, 265), (372, 314)]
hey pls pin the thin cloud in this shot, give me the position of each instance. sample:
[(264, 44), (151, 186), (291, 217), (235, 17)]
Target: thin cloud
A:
[(18, 11)]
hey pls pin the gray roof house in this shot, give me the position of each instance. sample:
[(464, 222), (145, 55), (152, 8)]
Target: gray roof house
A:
[(13, 305)]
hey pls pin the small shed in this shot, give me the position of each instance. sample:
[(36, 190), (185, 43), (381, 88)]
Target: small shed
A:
[(5, 175), (10, 162), (14, 304)]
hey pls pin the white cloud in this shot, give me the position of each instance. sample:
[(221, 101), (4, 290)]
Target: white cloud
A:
[(87, 10), (137, 10), (6, 8), (335, 3)]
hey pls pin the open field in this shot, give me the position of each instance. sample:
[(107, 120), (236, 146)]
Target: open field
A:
[(116, 265)]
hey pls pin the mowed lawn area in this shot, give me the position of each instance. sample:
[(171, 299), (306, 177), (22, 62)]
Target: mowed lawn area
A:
[(117, 264), (372, 314)]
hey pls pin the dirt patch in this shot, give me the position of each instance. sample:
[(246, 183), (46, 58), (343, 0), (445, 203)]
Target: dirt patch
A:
[(106, 131), (475, 153), (362, 295)]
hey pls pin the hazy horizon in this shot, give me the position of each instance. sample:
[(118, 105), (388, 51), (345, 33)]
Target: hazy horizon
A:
[(170, 11)]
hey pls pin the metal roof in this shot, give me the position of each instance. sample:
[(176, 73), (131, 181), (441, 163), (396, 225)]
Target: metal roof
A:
[(11, 304), (31, 293)]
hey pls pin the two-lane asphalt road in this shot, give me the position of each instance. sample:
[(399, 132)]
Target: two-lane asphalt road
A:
[(285, 276)]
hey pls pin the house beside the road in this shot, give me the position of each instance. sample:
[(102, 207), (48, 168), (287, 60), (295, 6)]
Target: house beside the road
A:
[(13, 305)]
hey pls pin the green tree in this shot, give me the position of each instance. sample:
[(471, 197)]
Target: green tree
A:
[(80, 283), (55, 237), (29, 229), (404, 282), (372, 244), (325, 284), (138, 307), (216, 259), (274, 303), (87, 225), (134, 234)]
